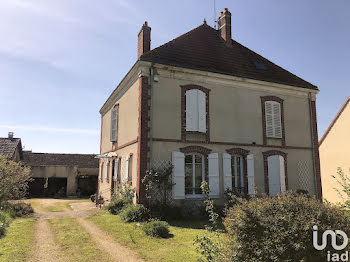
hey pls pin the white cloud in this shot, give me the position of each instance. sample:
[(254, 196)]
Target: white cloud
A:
[(52, 129)]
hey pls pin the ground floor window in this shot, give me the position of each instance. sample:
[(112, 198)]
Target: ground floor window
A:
[(237, 173), (194, 173)]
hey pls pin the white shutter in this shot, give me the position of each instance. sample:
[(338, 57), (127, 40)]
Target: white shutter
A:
[(126, 177), (114, 125), (277, 128), (214, 179), (178, 160), (226, 163), (202, 112), (274, 175), (100, 171), (282, 174), (269, 119), (116, 162), (192, 110), (107, 169), (250, 171)]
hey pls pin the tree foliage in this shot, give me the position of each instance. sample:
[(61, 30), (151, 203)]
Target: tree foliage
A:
[(14, 178)]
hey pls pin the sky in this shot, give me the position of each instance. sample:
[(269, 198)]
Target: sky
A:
[(61, 59)]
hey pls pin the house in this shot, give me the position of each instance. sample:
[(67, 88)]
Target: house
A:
[(61, 174), (218, 111), (11, 147), (335, 152)]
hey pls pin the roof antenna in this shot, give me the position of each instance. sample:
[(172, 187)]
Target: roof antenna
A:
[(215, 14)]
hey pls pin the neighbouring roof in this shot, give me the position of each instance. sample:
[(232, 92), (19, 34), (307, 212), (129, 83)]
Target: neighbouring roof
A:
[(204, 49), (335, 120), (49, 159), (8, 146)]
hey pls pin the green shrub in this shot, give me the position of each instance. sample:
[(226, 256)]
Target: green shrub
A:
[(21, 209), (156, 229), (134, 213), (116, 206), (280, 228), (5, 220)]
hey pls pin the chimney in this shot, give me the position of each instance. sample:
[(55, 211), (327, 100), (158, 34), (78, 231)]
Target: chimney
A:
[(224, 23), (144, 40), (10, 135)]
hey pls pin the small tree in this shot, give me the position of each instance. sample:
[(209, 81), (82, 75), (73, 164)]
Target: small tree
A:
[(14, 178), (344, 193), (158, 184)]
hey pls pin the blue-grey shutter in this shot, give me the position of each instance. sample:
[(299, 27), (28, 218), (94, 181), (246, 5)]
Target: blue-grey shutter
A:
[(114, 127)]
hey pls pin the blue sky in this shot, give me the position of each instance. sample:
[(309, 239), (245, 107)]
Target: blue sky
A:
[(60, 59)]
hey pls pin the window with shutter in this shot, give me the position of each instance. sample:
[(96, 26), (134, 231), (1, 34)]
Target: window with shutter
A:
[(114, 124), (196, 111), (191, 110), (178, 160), (273, 119)]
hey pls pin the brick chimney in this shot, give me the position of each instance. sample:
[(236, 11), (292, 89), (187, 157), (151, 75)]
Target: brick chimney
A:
[(10, 135), (144, 40), (224, 23)]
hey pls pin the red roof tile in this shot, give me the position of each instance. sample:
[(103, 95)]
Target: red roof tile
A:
[(204, 49)]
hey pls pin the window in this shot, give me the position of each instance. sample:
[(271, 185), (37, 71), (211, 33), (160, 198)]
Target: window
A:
[(130, 170), (237, 173), (196, 111), (114, 124), (194, 174), (276, 175), (273, 119)]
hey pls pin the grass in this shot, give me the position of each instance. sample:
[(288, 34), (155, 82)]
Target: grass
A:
[(179, 247), (15, 245), (75, 242)]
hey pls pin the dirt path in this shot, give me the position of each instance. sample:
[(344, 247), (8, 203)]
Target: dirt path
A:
[(107, 243), (45, 248)]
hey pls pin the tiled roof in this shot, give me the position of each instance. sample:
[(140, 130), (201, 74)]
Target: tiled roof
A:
[(204, 49), (49, 159), (8, 146)]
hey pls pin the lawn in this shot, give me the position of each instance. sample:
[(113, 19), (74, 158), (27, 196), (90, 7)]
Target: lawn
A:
[(75, 242), (16, 244), (179, 247)]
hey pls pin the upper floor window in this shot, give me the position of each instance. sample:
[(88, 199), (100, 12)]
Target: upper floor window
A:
[(273, 119), (196, 111), (114, 124)]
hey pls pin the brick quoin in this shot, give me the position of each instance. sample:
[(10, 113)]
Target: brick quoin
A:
[(143, 147)]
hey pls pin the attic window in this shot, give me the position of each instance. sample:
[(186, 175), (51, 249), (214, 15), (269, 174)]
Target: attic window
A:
[(259, 65)]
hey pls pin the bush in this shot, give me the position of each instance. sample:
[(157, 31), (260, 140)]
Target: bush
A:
[(21, 209), (156, 229), (280, 228), (116, 206), (134, 213), (5, 220)]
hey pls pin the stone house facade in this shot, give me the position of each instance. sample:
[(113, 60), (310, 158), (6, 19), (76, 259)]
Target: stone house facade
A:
[(217, 111)]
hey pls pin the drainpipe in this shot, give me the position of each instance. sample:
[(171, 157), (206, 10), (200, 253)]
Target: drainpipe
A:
[(313, 145), (150, 116)]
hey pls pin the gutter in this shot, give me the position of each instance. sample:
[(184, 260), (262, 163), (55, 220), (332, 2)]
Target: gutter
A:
[(313, 145)]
